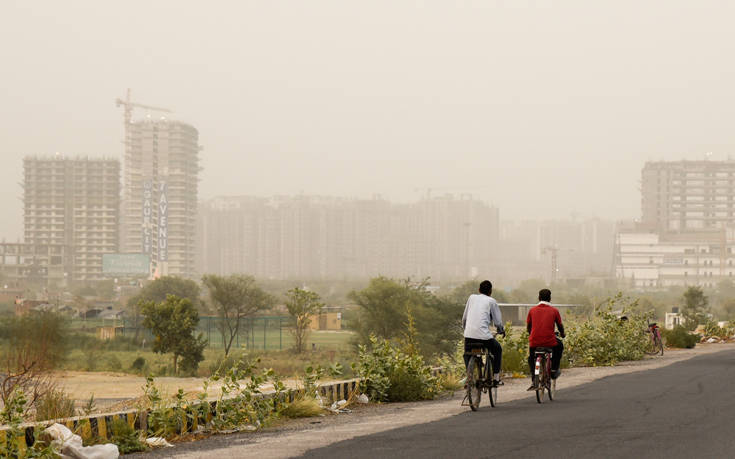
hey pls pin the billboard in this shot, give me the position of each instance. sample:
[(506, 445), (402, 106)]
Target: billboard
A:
[(163, 222), (126, 264), (147, 215)]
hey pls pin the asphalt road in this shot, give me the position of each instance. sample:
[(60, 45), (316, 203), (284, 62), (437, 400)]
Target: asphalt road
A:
[(684, 410)]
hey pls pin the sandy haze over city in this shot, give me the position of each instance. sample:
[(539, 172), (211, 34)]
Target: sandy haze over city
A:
[(542, 108)]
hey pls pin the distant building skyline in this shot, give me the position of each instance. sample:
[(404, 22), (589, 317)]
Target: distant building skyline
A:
[(314, 237)]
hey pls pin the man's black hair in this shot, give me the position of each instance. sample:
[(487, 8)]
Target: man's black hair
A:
[(544, 294), (486, 287)]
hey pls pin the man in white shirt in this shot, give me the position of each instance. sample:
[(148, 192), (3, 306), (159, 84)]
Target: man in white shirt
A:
[(480, 311)]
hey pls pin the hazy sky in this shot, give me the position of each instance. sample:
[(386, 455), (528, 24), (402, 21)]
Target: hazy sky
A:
[(542, 108)]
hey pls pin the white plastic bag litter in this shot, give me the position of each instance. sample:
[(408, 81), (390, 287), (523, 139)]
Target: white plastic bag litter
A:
[(70, 445), (362, 398)]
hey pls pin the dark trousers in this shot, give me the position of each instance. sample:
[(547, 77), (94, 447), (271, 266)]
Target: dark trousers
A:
[(490, 344), (555, 356)]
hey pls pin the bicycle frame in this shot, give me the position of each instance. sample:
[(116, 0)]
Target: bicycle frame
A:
[(543, 364)]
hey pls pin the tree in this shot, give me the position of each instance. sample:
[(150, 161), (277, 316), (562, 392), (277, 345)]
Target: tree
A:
[(460, 293), (527, 291), (695, 307), (387, 306), (302, 305), (234, 298), (173, 323), (158, 290)]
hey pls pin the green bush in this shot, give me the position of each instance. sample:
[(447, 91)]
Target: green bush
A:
[(126, 438), (138, 364), (515, 350), (604, 339), (113, 363), (680, 337), (391, 375)]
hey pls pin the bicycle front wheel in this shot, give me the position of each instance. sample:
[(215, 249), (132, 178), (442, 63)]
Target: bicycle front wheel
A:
[(652, 347), (474, 383)]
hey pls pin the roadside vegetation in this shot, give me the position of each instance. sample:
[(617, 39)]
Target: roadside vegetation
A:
[(400, 332)]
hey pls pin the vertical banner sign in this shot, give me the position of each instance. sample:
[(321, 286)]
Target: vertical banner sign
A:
[(147, 215), (162, 222)]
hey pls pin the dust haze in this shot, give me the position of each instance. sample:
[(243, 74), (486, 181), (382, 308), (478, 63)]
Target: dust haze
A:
[(543, 109)]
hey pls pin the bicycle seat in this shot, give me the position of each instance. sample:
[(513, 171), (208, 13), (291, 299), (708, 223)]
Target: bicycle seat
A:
[(476, 351), (543, 350)]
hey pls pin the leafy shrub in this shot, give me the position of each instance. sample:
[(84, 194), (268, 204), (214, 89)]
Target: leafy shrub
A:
[(54, 404), (138, 364), (450, 382), (92, 356), (390, 375), (604, 339), (125, 437), (680, 337), (713, 329), (11, 416), (515, 350), (113, 363)]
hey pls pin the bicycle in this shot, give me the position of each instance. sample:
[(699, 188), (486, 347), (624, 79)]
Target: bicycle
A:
[(542, 379), (479, 378), (655, 344)]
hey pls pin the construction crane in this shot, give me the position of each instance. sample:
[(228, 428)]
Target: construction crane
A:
[(128, 104)]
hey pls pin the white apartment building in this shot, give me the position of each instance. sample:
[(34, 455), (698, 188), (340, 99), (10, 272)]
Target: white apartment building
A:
[(650, 260)]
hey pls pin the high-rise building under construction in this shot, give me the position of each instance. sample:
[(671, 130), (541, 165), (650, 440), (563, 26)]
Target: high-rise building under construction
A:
[(160, 181), (70, 213)]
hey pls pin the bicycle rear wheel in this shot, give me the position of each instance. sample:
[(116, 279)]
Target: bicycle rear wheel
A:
[(474, 383), (538, 381)]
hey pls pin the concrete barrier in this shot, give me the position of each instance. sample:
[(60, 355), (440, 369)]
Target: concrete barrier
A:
[(99, 426)]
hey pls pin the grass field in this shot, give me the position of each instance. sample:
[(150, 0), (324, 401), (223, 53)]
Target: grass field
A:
[(330, 346)]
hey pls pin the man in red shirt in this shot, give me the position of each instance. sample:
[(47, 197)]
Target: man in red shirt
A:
[(540, 324)]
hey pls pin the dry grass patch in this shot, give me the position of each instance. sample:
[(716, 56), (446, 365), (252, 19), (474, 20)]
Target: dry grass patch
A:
[(305, 407)]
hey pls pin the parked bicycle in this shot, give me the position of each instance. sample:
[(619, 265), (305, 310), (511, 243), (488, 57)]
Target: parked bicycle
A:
[(655, 343), (479, 379)]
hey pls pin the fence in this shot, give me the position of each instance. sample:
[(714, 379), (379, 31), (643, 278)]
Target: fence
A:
[(261, 333)]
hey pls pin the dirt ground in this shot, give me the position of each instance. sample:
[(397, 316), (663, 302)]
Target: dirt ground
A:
[(118, 390)]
